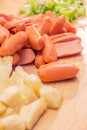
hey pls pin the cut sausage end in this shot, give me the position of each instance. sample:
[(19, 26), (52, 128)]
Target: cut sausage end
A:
[(69, 48), (26, 56)]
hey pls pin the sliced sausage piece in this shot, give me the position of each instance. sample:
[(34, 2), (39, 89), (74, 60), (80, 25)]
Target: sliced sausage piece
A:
[(60, 35), (51, 15), (16, 58), (35, 39), (66, 38), (45, 25), (69, 48), (20, 27), (70, 27), (49, 51), (4, 34), (5, 16), (39, 60), (37, 19), (2, 21), (56, 72), (57, 26), (13, 23), (26, 56)]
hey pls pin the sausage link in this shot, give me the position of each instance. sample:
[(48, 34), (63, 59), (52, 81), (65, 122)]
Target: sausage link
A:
[(39, 60), (35, 39), (55, 72), (4, 34), (49, 51), (16, 58), (57, 26), (14, 44)]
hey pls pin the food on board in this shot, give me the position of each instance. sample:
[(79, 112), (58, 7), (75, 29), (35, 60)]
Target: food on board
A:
[(25, 99), (40, 39)]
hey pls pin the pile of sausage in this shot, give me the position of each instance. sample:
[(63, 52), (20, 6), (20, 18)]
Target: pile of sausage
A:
[(40, 39)]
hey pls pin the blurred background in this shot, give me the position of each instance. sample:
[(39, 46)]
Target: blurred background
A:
[(11, 6)]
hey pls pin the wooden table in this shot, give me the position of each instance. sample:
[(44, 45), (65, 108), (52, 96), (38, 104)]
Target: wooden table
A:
[(73, 113)]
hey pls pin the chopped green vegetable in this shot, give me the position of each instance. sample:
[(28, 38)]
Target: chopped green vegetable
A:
[(71, 9)]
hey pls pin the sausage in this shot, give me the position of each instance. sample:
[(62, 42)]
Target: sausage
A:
[(37, 19), (26, 56), (60, 35), (35, 39), (66, 38), (45, 25), (20, 27), (5, 16), (27, 46), (52, 16), (39, 60), (13, 31), (2, 21), (57, 26), (13, 23), (69, 27), (49, 51), (14, 44), (63, 30), (4, 34), (56, 72), (16, 58), (69, 48)]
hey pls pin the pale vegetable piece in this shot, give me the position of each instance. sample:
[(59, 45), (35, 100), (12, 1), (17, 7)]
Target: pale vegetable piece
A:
[(51, 96), (11, 97), (35, 82), (27, 94), (6, 63), (3, 108), (32, 112), (31, 80), (15, 79), (8, 111), (5, 71), (13, 122)]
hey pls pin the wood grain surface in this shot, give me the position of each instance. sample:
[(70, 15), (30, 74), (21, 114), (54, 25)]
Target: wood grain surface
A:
[(73, 113)]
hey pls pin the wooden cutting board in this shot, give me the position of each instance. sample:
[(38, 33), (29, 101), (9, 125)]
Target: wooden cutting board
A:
[(73, 113)]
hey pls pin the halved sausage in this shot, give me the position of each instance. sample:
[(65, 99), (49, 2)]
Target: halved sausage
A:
[(39, 60), (49, 51), (35, 39), (69, 48), (16, 59), (57, 26)]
